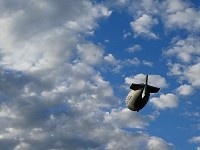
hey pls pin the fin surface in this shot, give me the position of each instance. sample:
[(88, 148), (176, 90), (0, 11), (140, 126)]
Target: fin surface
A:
[(152, 89), (136, 86)]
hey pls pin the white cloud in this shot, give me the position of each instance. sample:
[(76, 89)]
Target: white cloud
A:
[(54, 27), (6, 112), (23, 146), (143, 25), (110, 59), (154, 80), (195, 139), (150, 7), (185, 90), (119, 2), (174, 5), (137, 141), (117, 65), (175, 14), (192, 74), (48, 83), (157, 143), (140, 7), (134, 48), (187, 50), (192, 114), (148, 63), (165, 101), (130, 62), (175, 69), (126, 34), (180, 14), (182, 17), (123, 118), (70, 104), (90, 53), (184, 49)]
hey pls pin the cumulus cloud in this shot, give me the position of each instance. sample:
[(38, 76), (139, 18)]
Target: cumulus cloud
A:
[(148, 63), (191, 74), (23, 145), (134, 48), (48, 83), (90, 53), (117, 65), (118, 3), (138, 140), (175, 14), (143, 25), (184, 49), (174, 6), (165, 101), (143, 7), (110, 59), (195, 139), (180, 14), (123, 118), (38, 112), (157, 143), (187, 51), (175, 68), (185, 90), (49, 25)]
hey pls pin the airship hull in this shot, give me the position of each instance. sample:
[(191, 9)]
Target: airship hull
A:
[(134, 100), (139, 95)]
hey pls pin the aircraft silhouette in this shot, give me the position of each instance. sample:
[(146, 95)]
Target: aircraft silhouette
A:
[(139, 95)]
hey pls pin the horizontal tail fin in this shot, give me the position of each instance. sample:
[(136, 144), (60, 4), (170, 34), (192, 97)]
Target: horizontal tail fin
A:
[(152, 89), (136, 86)]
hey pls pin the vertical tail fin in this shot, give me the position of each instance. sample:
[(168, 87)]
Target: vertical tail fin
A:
[(150, 89), (145, 87), (146, 81)]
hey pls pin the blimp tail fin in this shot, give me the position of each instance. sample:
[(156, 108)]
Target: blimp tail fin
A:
[(146, 81), (145, 87), (152, 89), (136, 86), (149, 88)]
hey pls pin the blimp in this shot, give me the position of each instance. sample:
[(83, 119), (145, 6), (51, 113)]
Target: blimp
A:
[(139, 95)]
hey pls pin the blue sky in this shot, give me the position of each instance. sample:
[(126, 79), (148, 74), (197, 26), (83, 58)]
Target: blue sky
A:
[(66, 67)]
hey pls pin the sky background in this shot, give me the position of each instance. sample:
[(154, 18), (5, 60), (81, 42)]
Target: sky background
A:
[(66, 67)]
